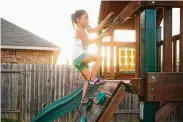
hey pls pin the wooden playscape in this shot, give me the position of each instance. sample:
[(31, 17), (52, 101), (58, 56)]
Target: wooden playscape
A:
[(159, 86)]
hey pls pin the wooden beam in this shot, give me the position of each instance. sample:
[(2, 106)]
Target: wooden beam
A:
[(170, 4), (167, 44), (174, 38), (164, 86), (113, 106), (119, 44), (181, 40), (138, 86), (137, 49), (124, 76), (126, 13), (166, 110), (130, 9)]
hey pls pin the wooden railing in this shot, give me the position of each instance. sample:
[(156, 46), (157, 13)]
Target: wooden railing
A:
[(114, 68)]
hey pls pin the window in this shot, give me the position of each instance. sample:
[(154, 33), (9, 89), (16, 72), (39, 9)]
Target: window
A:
[(124, 35), (127, 59)]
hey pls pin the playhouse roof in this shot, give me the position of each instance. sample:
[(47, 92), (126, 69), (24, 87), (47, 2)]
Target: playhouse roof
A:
[(116, 7)]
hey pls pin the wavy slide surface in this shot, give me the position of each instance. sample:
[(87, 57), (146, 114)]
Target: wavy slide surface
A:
[(62, 106)]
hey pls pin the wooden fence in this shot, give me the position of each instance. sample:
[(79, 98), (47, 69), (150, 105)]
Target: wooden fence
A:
[(28, 88)]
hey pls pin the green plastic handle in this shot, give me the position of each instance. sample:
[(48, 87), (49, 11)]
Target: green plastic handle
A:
[(100, 98)]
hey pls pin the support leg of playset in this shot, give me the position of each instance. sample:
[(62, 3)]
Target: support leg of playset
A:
[(148, 57)]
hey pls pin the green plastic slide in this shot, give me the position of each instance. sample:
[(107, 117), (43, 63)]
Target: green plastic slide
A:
[(62, 106)]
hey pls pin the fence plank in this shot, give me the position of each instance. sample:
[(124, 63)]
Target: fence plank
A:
[(9, 88), (23, 91), (43, 87), (55, 85), (29, 88), (2, 89), (51, 79), (32, 101), (57, 82), (39, 88), (49, 84), (35, 97)]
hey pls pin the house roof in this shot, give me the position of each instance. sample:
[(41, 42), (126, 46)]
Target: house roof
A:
[(115, 6), (15, 37)]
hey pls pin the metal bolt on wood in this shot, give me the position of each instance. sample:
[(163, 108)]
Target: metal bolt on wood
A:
[(153, 97), (153, 77), (153, 89)]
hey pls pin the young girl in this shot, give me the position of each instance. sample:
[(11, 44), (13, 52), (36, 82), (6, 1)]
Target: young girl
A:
[(80, 56)]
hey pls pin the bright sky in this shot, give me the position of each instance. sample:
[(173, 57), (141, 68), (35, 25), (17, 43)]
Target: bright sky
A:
[(49, 19)]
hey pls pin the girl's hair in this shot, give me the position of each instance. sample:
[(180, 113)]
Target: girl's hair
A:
[(76, 15)]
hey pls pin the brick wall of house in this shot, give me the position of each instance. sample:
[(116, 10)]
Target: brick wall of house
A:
[(26, 56)]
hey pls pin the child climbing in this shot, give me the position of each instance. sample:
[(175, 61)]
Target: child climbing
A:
[(81, 41)]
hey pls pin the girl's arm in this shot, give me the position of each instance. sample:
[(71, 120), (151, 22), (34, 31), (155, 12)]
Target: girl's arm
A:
[(101, 25), (98, 28), (83, 36)]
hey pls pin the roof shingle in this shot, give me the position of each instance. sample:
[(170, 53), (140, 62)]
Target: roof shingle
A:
[(12, 35)]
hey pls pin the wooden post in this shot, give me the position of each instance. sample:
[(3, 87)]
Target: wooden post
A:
[(174, 55), (137, 52), (117, 59), (181, 40), (105, 61), (148, 57), (112, 57), (167, 46)]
